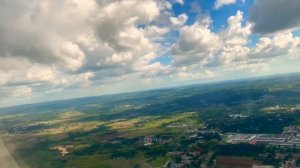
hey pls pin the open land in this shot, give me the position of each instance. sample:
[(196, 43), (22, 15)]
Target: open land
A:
[(237, 123)]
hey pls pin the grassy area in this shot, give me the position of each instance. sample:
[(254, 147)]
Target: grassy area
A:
[(70, 127), (70, 115), (103, 161), (159, 162), (124, 124), (159, 121)]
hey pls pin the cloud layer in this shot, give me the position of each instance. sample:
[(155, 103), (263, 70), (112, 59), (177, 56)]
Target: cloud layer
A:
[(86, 47)]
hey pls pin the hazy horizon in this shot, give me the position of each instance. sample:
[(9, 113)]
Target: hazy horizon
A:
[(162, 88)]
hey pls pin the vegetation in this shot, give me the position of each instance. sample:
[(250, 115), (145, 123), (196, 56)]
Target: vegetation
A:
[(154, 128)]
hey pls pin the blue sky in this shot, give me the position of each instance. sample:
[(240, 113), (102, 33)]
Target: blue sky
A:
[(219, 16), (62, 49)]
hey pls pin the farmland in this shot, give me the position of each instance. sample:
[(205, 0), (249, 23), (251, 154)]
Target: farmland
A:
[(158, 128)]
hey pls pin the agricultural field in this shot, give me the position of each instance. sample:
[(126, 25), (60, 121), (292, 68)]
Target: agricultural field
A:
[(157, 128)]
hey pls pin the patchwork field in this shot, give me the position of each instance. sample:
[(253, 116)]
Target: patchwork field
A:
[(159, 128)]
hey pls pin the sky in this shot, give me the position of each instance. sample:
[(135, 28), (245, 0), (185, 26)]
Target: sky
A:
[(61, 49)]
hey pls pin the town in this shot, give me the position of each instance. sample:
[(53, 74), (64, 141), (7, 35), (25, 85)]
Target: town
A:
[(290, 138), (197, 154)]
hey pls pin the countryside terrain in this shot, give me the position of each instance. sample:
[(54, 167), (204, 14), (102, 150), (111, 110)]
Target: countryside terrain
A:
[(173, 127)]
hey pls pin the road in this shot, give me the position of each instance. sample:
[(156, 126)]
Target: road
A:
[(6, 160)]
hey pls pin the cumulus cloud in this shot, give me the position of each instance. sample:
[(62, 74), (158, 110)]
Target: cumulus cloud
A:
[(195, 43), (180, 20), (277, 45), (42, 31), (270, 16), (59, 44), (179, 1), (117, 27), (54, 46), (234, 40), (221, 3), (200, 48)]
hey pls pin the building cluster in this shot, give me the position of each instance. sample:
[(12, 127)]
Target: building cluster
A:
[(200, 134), (187, 159), (290, 137), (238, 116), (177, 125), (30, 126), (277, 107), (292, 130), (149, 140)]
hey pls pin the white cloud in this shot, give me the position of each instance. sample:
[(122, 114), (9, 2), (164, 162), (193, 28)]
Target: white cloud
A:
[(179, 1), (116, 26), (155, 33), (277, 45), (221, 3), (44, 43), (199, 45), (124, 57), (235, 39), (22, 91), (194, 44), (43, 33), (180, 20), (199, 48), (195, 75), (54, 46)]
